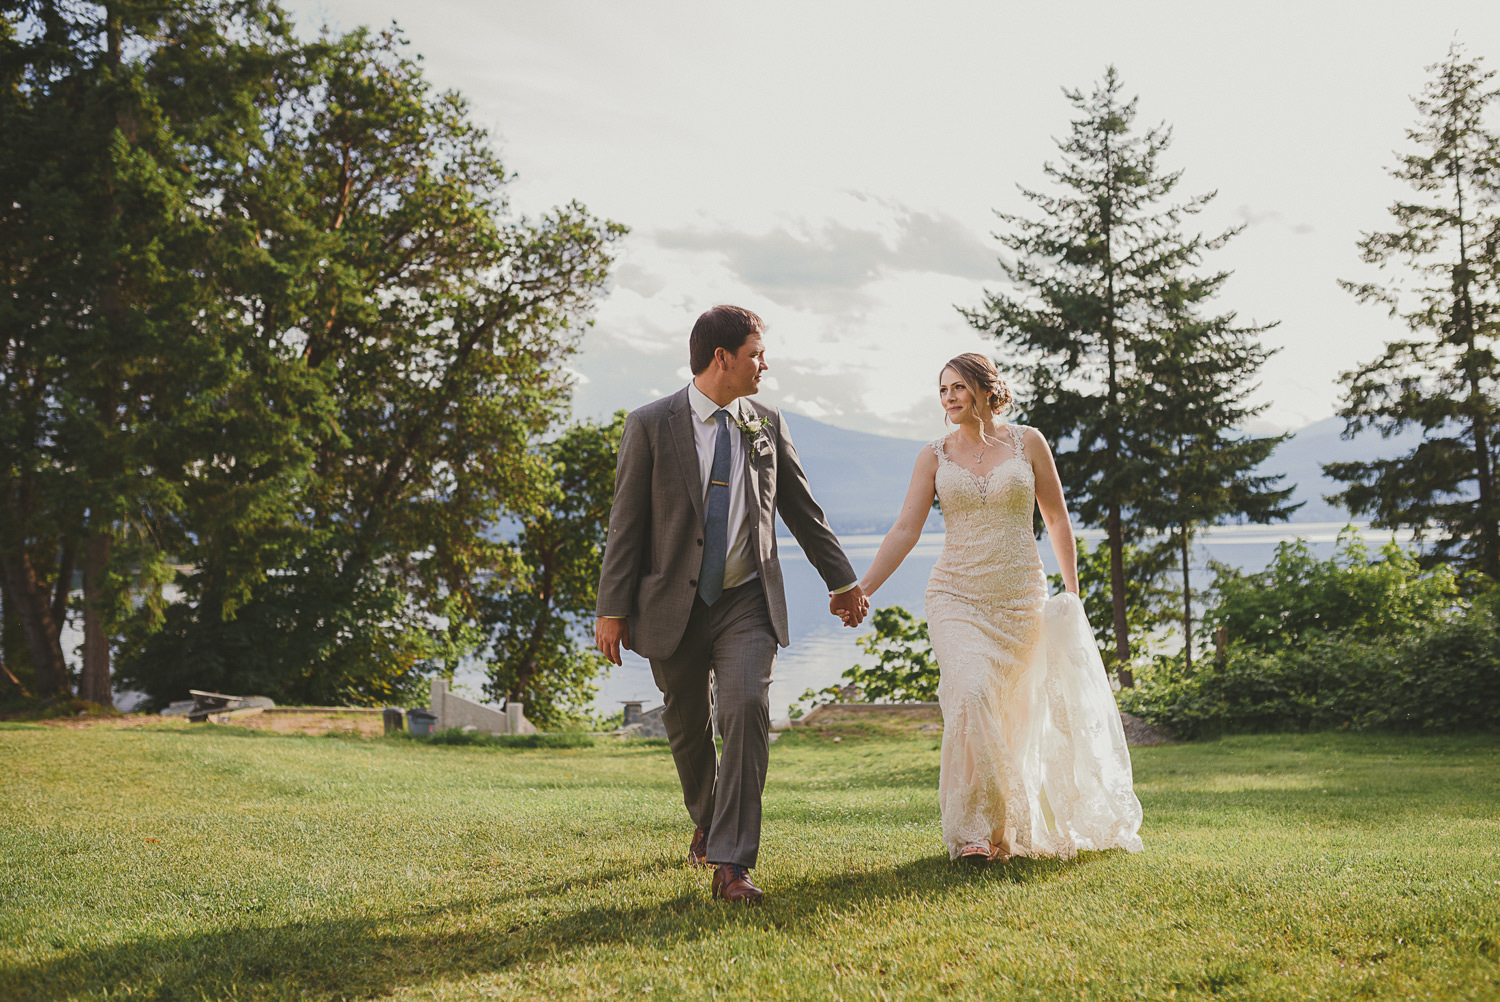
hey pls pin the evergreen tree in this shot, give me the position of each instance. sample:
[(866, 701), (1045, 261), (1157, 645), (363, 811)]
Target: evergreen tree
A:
[(1094, 278), (1196, 376), (1444, 378)]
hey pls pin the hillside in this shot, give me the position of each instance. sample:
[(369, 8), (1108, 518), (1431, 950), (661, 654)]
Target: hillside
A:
[(860, 479)]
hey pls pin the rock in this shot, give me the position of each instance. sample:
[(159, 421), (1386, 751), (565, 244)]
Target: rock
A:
[(649, 725), (1139, 734)]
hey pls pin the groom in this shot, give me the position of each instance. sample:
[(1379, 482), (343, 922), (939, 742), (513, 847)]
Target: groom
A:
[(692, 582)]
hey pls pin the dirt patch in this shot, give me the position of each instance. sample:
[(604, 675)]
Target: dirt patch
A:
[(1139, 734), (871, 719), (283, 720), (896, 718), (101, 720), (356, 725)]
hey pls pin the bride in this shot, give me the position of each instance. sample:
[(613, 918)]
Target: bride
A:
[(1034, 761)]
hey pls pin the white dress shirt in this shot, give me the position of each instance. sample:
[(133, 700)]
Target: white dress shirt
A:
[(739, 562)]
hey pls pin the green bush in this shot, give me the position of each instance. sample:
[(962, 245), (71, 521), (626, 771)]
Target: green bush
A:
[(905, 670), (1444, 678), (1298, 598), (1343, 643)]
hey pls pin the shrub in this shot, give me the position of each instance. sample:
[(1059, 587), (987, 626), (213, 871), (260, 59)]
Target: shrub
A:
[(905, 670), (1444, 677), (1347, 642), (1299, 598)]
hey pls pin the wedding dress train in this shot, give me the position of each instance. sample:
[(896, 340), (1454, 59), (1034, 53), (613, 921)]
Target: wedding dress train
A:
[(1034, 756)]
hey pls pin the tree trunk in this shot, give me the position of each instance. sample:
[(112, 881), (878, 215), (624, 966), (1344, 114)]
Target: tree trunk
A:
[(95, 684), (1117, 596), (6, 616), (43, 634), (1187, 603), (1463, 330)]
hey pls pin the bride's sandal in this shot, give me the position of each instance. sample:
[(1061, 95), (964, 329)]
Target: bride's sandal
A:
[(977, 853)]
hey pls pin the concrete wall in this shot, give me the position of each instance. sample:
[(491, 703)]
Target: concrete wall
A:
[(455, 711)]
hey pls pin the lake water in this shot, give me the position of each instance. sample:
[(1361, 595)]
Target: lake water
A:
[(822, 648)]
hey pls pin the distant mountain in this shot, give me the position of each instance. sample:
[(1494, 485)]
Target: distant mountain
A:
[(861, 479), (858, 478), (1301, 459)]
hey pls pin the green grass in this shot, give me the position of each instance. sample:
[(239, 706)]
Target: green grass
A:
[(477, 739), (206, 862)]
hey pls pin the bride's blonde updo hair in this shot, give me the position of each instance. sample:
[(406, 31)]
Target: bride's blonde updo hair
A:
[(983, 380)]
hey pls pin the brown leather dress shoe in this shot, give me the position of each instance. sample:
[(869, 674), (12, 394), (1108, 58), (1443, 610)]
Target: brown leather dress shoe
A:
[(698, 848), (732, 883)]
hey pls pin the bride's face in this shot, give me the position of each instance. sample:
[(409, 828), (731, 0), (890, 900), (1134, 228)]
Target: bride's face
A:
[(954, 395)]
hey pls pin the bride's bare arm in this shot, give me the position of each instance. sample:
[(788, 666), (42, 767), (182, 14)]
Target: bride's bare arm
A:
[(908, 528), (1054, 507)]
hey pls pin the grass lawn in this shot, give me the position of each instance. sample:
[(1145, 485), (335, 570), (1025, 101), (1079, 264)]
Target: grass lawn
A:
[(168, 861)]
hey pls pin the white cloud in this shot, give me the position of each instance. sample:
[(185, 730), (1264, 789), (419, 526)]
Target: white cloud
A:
[(830, 264), (834, 166)]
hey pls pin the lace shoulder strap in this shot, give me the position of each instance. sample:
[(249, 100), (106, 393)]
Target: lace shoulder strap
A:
[(1018, 437), (936, 445)]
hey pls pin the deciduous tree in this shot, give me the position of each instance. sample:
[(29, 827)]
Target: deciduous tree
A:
[(119, 123), (533, 614)]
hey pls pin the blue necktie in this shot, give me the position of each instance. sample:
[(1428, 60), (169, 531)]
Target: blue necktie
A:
[(716, 517)]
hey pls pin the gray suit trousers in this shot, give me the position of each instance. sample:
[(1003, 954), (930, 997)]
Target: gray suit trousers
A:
[(734, 639)]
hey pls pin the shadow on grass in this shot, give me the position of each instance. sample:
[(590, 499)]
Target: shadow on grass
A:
[(375, 955)]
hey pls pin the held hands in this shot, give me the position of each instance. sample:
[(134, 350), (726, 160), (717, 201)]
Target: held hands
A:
[(851, 606), (610, 635)]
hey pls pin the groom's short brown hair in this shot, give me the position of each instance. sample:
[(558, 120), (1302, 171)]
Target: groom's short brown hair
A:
[(727, 327)]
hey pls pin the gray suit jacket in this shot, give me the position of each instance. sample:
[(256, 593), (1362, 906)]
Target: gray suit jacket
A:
[(655, 543)]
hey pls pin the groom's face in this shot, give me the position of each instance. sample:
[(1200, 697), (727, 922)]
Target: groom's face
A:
[(743, 368)]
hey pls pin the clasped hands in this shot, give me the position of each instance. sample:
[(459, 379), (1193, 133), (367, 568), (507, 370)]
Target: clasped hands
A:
[(850, 606)]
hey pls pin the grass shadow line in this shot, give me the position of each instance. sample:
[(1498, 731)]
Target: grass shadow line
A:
[(378, 954)]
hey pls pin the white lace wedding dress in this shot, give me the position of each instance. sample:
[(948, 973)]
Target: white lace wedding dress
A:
[(1034, 756)]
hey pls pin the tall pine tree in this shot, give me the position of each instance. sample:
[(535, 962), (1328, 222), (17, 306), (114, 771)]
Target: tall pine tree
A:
[(1443, 379), (1196, 377), (1098, 278)]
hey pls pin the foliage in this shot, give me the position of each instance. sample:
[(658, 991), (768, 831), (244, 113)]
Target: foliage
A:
[(1444, 380), (532, 620), (1148, 598), (375, 345), (269, 321), (1299, 598), (1346, 642), (125, 367), (1442, 679), (1105, 328), (905, 670)]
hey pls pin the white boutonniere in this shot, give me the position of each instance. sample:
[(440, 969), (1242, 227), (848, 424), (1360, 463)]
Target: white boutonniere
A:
[(757, 432)]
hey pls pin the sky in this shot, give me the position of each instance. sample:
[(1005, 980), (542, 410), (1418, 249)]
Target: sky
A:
[(836, 167)]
